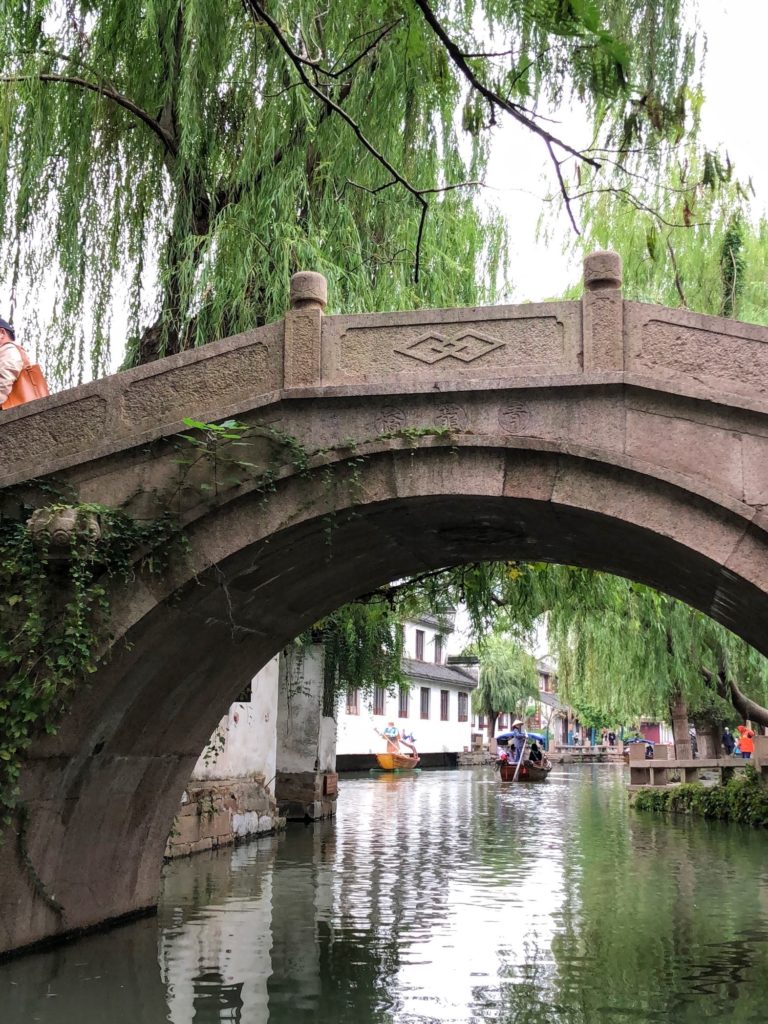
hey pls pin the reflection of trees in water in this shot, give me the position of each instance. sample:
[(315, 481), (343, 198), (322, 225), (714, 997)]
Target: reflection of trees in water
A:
[(657, 923), (645, 917)]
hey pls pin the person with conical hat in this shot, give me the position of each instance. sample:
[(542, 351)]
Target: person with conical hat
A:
[(517, 738)]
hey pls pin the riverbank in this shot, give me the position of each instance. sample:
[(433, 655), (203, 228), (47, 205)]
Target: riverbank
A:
[(743, 800)]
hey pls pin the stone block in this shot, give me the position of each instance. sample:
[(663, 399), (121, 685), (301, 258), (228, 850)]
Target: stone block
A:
[(729, 357), (475, 344), (302, 354), (685, 446), (189, 828), (219, 825), (529, 475), (755, 462)]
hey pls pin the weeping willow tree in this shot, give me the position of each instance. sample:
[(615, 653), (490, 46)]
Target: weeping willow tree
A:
[(508, 678), (691, 240), (628, 651), (362, 649), (179, 159), (623, 649)]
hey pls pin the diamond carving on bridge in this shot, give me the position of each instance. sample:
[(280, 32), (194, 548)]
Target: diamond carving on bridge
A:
[(466, 348)]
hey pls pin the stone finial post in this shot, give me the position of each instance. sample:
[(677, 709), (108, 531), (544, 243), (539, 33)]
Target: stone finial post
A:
[(603, 312), (304, 329), (309, 290), (303, 337)]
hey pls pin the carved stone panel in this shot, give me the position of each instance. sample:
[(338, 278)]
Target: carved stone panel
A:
[(435, 346), (728, 356), (498, 342), (53, 432), (199, 387)]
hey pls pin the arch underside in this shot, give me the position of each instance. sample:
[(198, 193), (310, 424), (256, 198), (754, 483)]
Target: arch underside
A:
[(103, 792)]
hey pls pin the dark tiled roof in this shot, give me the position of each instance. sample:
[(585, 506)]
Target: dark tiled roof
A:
[(438, 673), (551, 700)]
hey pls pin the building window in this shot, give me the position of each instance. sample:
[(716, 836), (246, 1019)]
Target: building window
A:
[(353, 702), (443, 705), (481, 722), (502, 721), (379, 700), (438, 650), (403, 703), (420, 645), (463, 707), (425, 701)]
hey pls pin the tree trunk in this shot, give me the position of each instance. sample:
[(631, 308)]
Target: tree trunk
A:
[(747, 708), (678, 710), (492, 716)]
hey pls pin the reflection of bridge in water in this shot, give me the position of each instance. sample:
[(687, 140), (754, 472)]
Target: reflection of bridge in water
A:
[(492, 903), (616, 435)]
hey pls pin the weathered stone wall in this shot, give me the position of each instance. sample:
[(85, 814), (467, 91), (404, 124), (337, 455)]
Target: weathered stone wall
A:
[(214, 814)]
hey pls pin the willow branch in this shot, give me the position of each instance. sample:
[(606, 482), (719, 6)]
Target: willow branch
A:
[(107, 93), (638, 204), (363, 53), (678, 279), (494, 98), (300, 63)]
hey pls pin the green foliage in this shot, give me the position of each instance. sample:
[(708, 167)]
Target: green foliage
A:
[(363, 649), (172, 152), (743, 799), (623, 649), (687, 238), (55, 616), (732, 265), (508, 677)]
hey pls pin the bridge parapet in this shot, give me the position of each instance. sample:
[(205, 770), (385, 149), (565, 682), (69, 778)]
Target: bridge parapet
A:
[(598, 340)]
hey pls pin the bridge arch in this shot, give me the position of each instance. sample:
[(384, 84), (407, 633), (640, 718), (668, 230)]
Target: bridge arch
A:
[(658, 479)]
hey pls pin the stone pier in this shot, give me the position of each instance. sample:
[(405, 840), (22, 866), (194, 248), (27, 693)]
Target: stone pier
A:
[(305, 783)]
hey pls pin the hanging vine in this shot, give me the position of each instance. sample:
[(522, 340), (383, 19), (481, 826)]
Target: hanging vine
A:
[(55, 573), (60, 559)]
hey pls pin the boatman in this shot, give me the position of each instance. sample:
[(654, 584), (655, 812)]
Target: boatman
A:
[(517, 738), (392, 736)]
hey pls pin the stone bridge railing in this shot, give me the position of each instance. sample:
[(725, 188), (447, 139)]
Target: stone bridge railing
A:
[(598, 340)]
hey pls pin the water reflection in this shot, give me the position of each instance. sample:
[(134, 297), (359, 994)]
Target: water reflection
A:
[(438, 897)]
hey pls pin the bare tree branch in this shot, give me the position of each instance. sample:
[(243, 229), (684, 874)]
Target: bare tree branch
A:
[(493, 98), (563, 189), (678, 279), (301, 63), (108, 93)]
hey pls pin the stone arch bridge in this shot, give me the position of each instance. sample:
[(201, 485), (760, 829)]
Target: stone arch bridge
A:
[(611, 434)]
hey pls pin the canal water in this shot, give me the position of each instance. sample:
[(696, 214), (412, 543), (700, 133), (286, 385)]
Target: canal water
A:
[(437, 897)]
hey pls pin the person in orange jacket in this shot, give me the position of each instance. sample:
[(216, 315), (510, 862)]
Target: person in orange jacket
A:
[(747, 740), (11, 361)]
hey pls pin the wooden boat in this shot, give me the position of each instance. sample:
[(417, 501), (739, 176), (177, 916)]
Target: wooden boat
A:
[(397, 762), (529, 772)]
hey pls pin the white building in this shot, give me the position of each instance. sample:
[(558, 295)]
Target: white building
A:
[(435, 708)]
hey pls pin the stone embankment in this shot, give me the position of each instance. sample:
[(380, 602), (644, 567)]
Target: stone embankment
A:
[(221, 813)]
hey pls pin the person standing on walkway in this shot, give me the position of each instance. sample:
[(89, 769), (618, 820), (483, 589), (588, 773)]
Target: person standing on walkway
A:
[(11, 361), (747, 741), (20, 380), (728, 741)]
